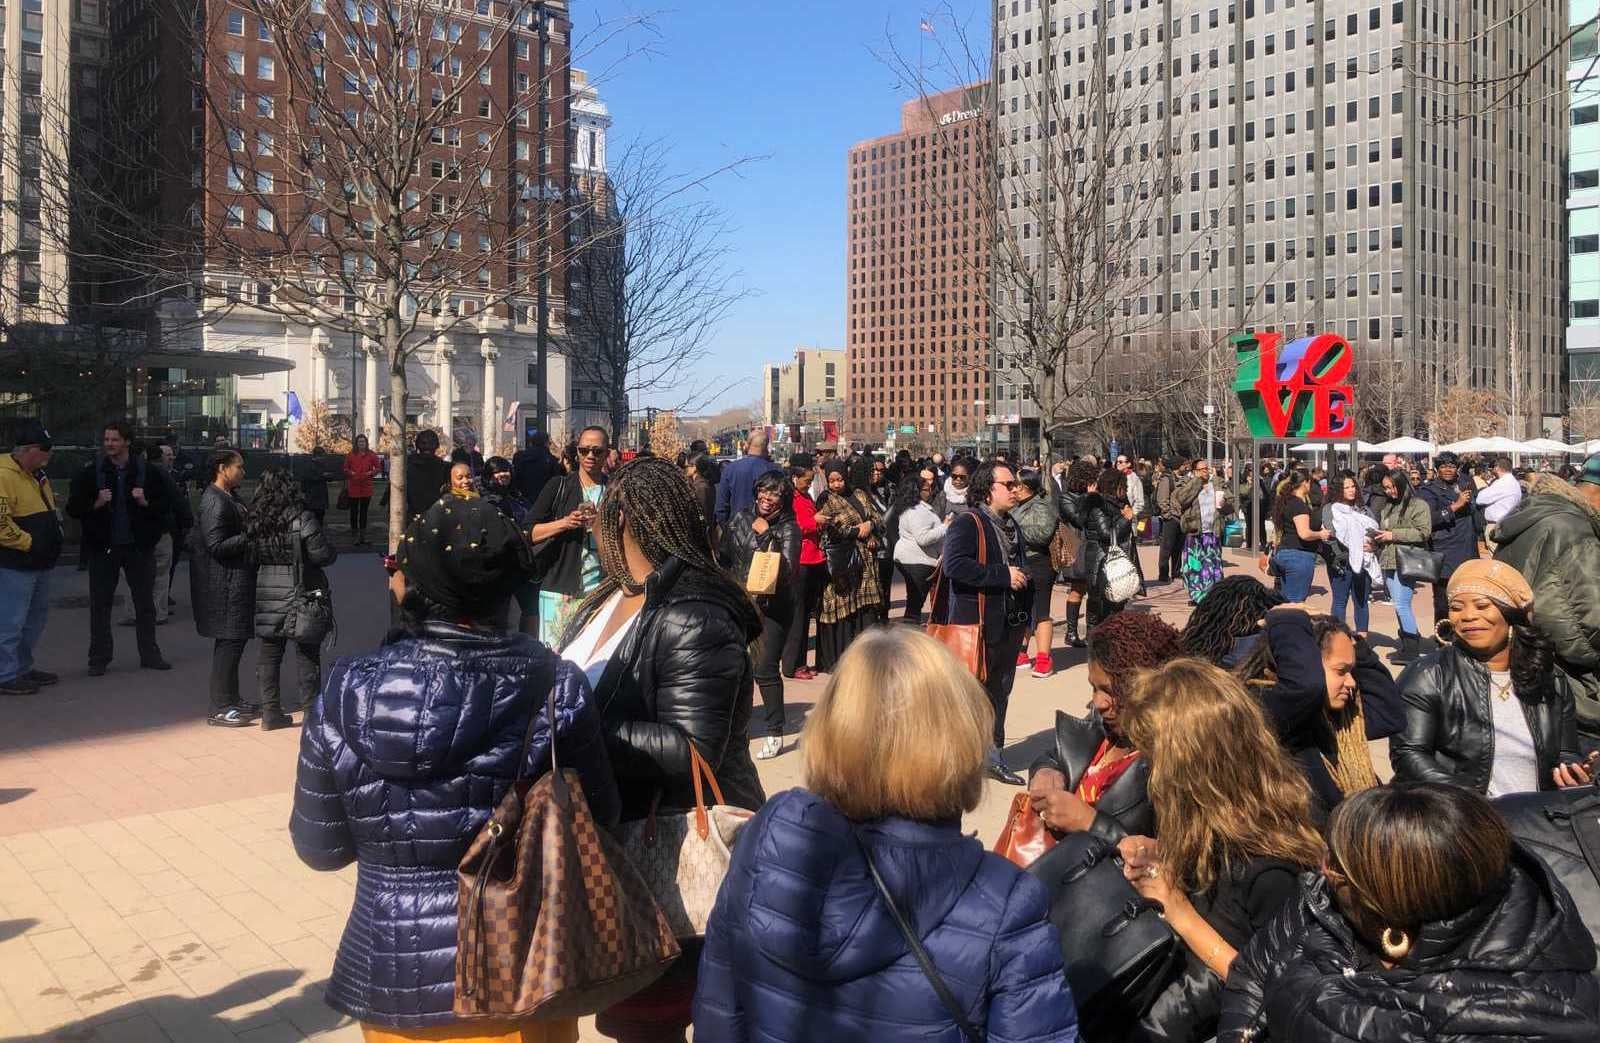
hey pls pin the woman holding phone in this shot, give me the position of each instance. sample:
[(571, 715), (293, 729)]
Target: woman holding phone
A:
[(565, 557)]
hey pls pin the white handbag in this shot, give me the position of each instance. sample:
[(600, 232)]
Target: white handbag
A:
[(683, 856), (1119, 576)]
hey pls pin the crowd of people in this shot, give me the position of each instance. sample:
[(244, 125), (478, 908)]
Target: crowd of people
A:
[(1218, 803)]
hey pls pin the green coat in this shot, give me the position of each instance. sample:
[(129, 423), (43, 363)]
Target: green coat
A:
[(1409, 521), (1553, 539)]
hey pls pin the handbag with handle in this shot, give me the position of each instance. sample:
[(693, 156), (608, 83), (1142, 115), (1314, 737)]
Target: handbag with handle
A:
[(762, 578), (683, 856), (308, 619), (964, 640), (1119, 577), (969, 1031), (1024, 838), (554, 921), (1118, 951), (1063, 547), (1418, 564)]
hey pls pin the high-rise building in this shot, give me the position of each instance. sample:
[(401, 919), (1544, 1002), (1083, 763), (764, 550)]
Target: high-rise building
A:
[(1268, 164), (1583, 206), (595, 310), (249, 152), (918, 244), (812, 384)]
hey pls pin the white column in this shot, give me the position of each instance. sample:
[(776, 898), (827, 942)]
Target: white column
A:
[(369, 394), (445, 394), (489, 434), (319, 369)]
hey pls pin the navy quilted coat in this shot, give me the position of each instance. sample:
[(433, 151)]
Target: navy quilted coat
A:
[(402, 757), (800, 946)]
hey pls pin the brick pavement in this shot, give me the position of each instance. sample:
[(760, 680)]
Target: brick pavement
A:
[(148, 889)]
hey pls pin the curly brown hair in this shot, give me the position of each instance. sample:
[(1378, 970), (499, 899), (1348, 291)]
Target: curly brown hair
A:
[(1081, 475), (1132, 641)]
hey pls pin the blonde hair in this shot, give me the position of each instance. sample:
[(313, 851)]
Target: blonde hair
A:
[(902, 729), (1222, 787)]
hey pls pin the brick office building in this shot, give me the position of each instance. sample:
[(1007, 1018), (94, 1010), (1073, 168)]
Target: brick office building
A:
[(918, 333), (250, 154)]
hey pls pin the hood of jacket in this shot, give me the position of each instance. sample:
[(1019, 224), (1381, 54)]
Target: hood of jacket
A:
[(676, 581), (424, 704), (1549, 501), (813, 906)]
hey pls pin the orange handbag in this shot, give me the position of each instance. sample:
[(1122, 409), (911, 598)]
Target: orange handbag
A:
[(964, 640), (1024, 837)]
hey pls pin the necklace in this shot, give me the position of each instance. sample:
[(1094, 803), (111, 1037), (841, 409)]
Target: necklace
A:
[(1501, 689)]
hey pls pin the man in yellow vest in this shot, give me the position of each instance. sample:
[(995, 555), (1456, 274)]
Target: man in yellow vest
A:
[(30, 543)]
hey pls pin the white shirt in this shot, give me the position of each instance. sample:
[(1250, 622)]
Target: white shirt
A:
[(1135, 492), (1516, 763), (1500, 498), (584, 654)]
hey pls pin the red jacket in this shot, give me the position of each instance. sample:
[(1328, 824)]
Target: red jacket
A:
[(359, 470), (805, 514)]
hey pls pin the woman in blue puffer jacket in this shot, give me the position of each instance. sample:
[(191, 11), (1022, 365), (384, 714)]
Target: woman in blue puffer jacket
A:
[(408, 750), (802, 943)]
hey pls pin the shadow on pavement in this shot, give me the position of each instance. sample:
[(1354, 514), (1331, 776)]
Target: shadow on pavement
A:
[(11, 928)]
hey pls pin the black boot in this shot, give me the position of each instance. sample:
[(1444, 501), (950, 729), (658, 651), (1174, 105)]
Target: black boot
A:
[(1410, 648), (273, 717), (1073, 640)]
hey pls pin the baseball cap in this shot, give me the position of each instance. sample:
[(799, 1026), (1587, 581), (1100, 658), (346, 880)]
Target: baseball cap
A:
[(1591, 470), (31, 432)]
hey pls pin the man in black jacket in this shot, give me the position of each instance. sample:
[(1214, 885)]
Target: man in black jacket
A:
[(124, 515), (992, 592), (533, 466), (1449, 496), (426, 474)]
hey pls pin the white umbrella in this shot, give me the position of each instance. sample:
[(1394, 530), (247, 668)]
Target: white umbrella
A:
[(1322, 447), (1546, 447), (1586, 448), (1401, 445), (1496, 444)]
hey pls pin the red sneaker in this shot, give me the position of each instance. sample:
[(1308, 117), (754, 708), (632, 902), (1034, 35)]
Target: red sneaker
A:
[(1043, 664), (804, 674), (1023, 658)]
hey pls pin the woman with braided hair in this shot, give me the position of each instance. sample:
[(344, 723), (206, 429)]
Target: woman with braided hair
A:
[(664, 640), (1225, 627), (1326, 694)]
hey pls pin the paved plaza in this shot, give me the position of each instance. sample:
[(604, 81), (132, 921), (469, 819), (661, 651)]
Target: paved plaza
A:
[(148, 888)]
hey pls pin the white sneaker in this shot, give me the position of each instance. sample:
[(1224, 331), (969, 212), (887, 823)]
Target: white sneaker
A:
[(770, 748)]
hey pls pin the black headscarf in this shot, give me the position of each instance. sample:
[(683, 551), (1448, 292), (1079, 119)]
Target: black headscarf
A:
[(464, 556)]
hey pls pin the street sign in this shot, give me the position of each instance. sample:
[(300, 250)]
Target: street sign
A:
[(908, 429), (992, 419)]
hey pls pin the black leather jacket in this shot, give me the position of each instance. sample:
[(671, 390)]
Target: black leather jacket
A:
[(274, 560), (1516, 966), (682, 675), (1449, 732), (1123, 810), (740, 543), (1103, 525)]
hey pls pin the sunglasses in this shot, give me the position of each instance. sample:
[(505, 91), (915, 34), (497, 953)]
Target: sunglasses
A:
[(957, 476), (592, 450)]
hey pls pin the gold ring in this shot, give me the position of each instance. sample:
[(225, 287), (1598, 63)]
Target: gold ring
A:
[(1152, 872)]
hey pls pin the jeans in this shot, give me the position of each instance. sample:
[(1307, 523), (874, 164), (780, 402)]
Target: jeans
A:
[(885, 585), (269, 669), (1002, 674), (918, 578), (225, 656), (358, 514), (778, 612), (807, 593), (1171, 553), (105, 566), (1353, 583), (24, 602), (163, 585), (1400, 592), (1299, 569)]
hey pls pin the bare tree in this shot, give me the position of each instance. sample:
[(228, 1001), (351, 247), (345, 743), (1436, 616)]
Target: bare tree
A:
[(1583, 410), (653, 284)]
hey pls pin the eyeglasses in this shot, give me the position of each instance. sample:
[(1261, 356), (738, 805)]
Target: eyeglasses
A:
[(1013, 486), (592, 450), (957, 476)]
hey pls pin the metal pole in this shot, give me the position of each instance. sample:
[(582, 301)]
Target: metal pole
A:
[(542, 343), (355, 412)]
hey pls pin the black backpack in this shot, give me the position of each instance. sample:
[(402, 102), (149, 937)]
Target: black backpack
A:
[(1563, 828)]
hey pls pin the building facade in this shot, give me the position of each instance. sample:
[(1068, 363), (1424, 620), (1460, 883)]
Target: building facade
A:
[(918, 245), (499, 71), (1583, 206), (1299, 167), (813, 383), (598, 393)]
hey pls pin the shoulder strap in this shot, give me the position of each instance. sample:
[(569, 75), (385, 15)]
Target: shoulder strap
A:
[(929, 971), (299, 552), (545, 675)]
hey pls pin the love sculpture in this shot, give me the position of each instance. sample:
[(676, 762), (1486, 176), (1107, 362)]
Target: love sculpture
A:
[(1296, 390)]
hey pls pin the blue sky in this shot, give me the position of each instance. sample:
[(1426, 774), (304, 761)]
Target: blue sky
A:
[(798, 83)]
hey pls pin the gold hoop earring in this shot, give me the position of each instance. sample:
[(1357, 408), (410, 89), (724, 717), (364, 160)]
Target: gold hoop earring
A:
[(1395, 950)]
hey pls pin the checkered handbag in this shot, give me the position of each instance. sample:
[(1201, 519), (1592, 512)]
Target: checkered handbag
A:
[(683, 856), (554, 921)]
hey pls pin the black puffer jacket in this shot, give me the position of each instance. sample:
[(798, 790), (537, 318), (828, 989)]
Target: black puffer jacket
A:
[(1103, 526), (222, 575), (402, 758), (682, 675), (740, 543), (1449, 732), (274, 560), (1516, 967), (1123, 810)]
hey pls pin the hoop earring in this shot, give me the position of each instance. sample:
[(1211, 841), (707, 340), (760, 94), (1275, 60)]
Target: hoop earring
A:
[(1395, 950)]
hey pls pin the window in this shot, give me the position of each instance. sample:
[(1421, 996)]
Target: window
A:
[(1586, 309), (235, 23), (319, 224), (1580, 179), (264, 105), (266, 68), (1585, 114), (263, 143), (235, 217), (1585, 244), (264, 219), (235, 182), (236, 62)]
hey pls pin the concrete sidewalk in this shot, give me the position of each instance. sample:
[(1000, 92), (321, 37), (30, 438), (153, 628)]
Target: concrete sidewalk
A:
[(148, 889)]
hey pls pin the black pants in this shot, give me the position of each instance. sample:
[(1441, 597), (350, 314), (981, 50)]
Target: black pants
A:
[(918, 578), (1171, 553), (1441, 600), (885, 585), (1001, 660), (105, 565), (225, 656), (778, 614), (807, 599), (358, 514), (1100, 609), (269, 669)]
